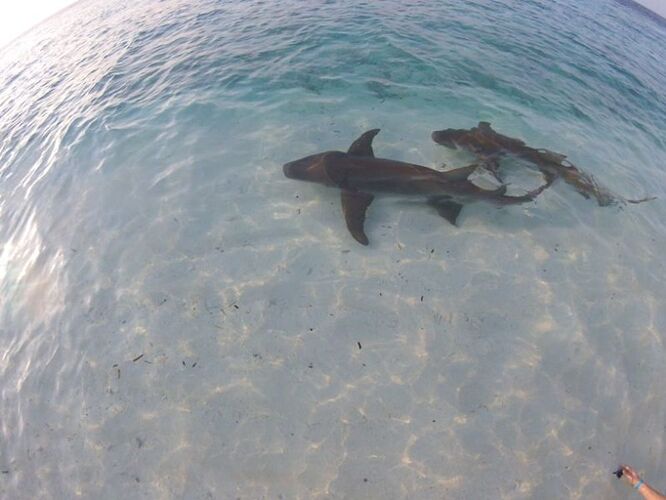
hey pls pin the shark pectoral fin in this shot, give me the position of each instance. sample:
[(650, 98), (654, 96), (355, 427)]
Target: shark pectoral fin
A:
[(447, 209), (354, 205), (462, 173), (363, 145)]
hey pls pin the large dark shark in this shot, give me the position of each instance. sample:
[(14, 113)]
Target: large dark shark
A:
[(489, 146), (359, 176)]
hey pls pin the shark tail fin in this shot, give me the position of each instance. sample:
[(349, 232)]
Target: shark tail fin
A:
[(648, 198)]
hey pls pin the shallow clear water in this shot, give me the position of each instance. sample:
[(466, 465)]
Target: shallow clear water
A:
[(178, 320)]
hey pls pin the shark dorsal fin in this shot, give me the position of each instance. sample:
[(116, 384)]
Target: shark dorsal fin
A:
[(460, 174), (485, 126), (363, 145), (354, 205)]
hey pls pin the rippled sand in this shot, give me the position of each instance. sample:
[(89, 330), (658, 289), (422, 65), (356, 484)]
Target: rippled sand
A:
[(178, 320)]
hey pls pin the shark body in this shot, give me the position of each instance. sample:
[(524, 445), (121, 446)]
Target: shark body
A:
[(360, 176), (489, 146)]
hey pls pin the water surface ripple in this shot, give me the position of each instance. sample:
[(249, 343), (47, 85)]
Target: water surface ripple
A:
[(178, 320)]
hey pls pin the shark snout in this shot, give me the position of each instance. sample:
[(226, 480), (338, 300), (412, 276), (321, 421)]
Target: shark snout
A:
[(288, 169), (311, 168), (300, 169)]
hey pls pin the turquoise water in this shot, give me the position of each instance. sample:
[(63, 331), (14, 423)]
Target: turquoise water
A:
[(178, 320)]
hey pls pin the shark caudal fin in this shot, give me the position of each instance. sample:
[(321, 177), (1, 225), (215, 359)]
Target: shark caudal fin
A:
[(363, 145), (649, 198)]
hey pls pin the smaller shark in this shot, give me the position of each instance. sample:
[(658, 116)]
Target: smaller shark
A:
[(489, 146), (359, 176)]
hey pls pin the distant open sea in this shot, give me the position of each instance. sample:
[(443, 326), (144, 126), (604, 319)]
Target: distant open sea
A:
[(178, 320)]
